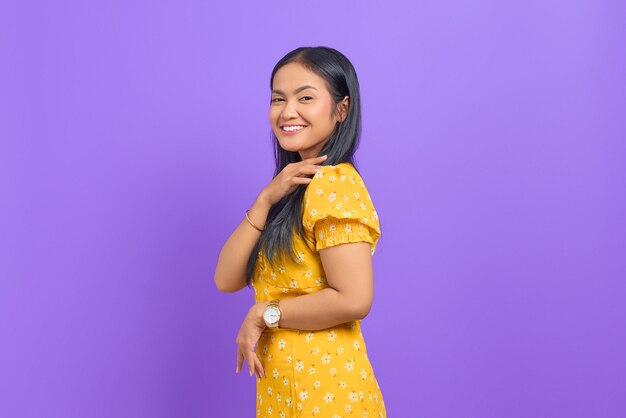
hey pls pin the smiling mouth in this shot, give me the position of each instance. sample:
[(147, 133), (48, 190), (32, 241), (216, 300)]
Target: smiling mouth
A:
[(294, 128)]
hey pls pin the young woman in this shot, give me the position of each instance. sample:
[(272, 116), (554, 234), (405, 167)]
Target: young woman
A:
[(306, 247)]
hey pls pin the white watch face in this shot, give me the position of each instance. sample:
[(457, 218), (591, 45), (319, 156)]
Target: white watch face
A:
[(271, 315)]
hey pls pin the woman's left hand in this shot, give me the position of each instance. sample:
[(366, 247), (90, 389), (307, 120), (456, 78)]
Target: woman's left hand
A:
[(249, 334)]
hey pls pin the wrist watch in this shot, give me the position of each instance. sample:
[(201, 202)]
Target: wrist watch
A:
[(271, 314)]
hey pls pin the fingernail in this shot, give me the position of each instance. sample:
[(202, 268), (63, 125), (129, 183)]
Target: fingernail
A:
[(250, 372)]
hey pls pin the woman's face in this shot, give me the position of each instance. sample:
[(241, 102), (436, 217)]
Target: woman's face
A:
[(302, 103)]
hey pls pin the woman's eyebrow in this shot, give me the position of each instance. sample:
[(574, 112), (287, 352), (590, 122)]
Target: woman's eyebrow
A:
[(296, 91)]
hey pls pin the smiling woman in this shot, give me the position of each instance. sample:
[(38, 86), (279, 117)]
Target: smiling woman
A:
[(301, 111), (306, 248)]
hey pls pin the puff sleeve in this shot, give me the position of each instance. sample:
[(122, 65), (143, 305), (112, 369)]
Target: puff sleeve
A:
[(338, 209)]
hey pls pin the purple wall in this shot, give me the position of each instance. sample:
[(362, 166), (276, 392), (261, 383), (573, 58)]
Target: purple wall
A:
[(134, 135)]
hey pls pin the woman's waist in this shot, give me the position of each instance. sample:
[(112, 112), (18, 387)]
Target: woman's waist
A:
[(344, 327)]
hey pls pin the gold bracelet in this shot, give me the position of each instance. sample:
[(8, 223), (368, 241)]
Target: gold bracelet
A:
[(253, 225)]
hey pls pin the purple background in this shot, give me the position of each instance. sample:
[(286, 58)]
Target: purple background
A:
[(134, 135)]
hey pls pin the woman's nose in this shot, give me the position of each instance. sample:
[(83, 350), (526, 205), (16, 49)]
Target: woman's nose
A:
[(289, 112)]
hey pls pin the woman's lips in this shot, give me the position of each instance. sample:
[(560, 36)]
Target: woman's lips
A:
[(293, 132)]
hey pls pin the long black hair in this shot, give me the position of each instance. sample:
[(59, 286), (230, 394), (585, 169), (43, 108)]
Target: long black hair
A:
[(276, 240)]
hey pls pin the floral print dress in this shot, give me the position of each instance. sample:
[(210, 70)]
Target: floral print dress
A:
[(323, 373)]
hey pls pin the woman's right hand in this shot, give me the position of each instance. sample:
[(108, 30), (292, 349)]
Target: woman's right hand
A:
[(290, 177)]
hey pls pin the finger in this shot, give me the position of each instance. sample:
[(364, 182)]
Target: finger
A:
[(301, 180), (239, 360), (250, 360), (318, 158), (259, 366)]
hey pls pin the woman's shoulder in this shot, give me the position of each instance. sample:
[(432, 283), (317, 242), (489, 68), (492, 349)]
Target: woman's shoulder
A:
[(343, 172)]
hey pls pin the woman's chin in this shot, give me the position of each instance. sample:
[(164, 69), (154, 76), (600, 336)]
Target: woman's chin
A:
[(292, 146)]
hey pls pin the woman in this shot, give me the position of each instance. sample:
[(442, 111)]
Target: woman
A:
[(306, 247)]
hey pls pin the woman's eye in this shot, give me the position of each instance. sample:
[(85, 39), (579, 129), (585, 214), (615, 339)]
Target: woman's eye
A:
[(276, 99), (307, 97)]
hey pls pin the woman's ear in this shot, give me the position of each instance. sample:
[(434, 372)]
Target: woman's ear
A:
[(343, 108)]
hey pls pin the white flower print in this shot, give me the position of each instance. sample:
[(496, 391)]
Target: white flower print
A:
[(340, 349), (363, 206), (363, 374), (293, 283), (326, 358), (312, 370), (281, 344), (329, 397), (299, 406), (331, 335), (342, 178), (288, 401), (316, 410), (313, 212), (269, 390), (308, 337), (353, 396), (357, 195), (269, 410), (285, 381), (350, 365), (319, 192), (332, 179), (333, 371), (304, 395), (348, 408), (343, 384), (299, 365), (279, 398), (315, 351), (275, 373), (282, 414), (281, 269), (332, 197), (356, 345), (316, 384)]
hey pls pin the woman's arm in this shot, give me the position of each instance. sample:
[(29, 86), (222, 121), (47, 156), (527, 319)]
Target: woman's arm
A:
[(230, 273), (349, 273)]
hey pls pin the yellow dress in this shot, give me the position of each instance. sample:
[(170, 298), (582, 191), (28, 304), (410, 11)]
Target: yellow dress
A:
[(324, 373)]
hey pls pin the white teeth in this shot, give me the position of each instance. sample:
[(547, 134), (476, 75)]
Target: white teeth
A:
[(292, 128)]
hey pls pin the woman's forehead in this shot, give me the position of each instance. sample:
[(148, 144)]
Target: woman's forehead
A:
[(293, 76)]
